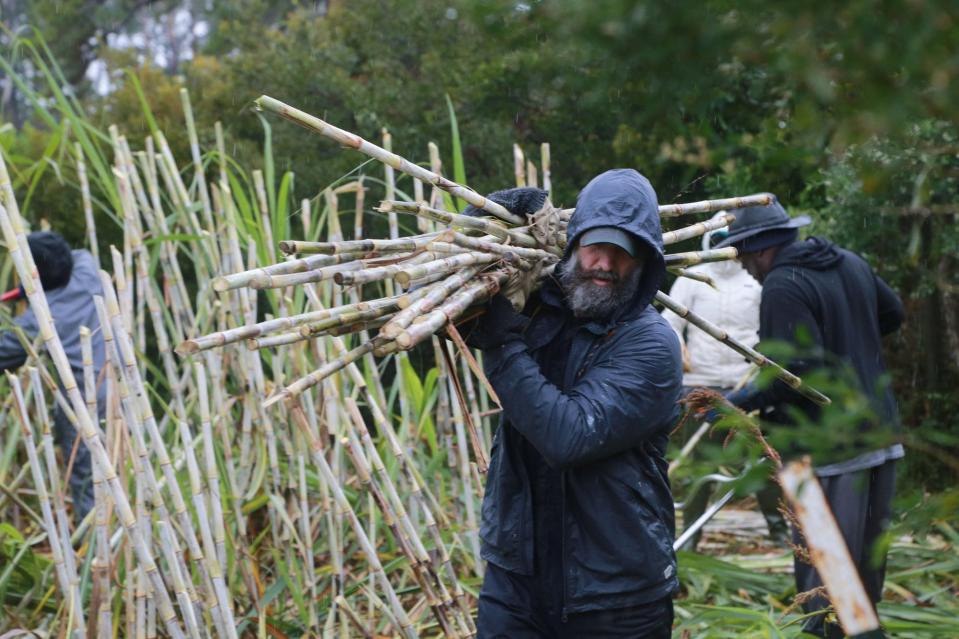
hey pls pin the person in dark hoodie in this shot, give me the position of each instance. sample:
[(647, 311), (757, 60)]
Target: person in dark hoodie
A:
[(829, 304), (69, 279), (577, 520)]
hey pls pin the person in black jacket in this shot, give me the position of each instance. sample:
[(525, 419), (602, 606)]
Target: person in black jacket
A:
[(827, 302), (577, 521)]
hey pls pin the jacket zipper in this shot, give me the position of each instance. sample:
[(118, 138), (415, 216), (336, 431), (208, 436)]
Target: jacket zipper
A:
[(590, 353)]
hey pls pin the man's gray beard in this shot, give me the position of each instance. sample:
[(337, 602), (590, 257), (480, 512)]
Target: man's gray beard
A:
[(591, 301)]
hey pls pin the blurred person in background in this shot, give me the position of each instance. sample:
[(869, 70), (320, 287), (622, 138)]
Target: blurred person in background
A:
[(834, 310), (733, 304), (69, 279)]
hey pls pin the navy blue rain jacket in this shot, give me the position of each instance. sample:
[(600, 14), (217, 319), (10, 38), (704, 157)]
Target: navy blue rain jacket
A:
[(602, 425)]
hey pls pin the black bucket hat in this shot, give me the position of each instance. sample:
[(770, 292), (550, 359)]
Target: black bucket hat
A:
[(754, 221)]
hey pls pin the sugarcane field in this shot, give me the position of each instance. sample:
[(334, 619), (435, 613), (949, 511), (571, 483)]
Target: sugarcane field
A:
[(449, 318)]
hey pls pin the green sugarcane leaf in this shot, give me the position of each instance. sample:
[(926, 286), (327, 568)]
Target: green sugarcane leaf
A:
[(280, 215), (259, 471), (283, 202), (40, 167), (744, 618), (173, 237), (426, 429), (412, 384), (69, 108), (429, 382), (280, 507), (269, 170), (39, 106), (247, 218), (20, 568), (907, 615), (459, 167), (144, 104), (272, 592), (255, 504)]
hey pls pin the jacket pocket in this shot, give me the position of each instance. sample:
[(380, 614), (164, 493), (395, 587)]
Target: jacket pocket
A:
[(618, 542)]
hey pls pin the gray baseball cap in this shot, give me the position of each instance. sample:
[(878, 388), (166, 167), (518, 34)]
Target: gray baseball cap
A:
[(610, 235)]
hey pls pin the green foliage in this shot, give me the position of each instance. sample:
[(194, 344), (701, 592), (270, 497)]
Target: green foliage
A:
[(749, 596), (459, 170), (22, 569), (421, 395), (893, 200)]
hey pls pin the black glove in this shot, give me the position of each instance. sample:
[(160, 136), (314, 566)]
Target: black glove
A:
[(520, 201), (497, 326)]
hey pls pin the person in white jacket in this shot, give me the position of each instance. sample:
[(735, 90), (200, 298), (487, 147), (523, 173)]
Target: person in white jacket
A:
[(734, 305)]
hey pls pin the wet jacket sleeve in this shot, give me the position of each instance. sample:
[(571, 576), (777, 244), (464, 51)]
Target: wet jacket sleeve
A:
[(784, 316), (889, 308), (619, 402)]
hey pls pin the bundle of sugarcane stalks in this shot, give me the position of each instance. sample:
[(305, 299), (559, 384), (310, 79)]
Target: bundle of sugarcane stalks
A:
[(245, 488), (445, 272)]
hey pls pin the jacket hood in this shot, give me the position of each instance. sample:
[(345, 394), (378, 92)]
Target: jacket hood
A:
[(814, 252), (708, 235), (624, 199)]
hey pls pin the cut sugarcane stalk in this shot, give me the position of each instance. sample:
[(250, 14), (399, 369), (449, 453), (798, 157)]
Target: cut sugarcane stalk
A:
[(263, 274), (751, 354), (357, 246), (693, 275), (380, 273), (701, 257), (696, 230), (711, 206), (449, 311), (404, 275), (417, 308), (388, 158), (242, 333)]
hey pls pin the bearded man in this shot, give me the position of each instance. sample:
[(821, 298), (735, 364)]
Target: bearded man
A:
[(577, 524)]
